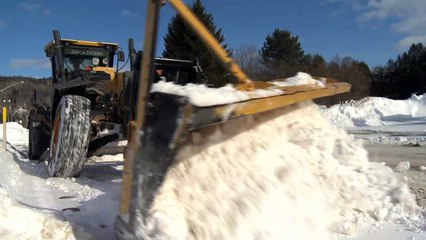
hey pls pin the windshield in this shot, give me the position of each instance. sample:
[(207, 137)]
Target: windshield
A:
[(77, 63), (86, 58)]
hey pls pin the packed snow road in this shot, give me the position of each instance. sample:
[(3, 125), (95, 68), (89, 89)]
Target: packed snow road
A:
[(353, 198)]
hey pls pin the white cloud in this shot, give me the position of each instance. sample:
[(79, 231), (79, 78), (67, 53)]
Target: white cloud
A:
[(46, 12), (127, 12), (29, 6), (30, 63), (35, 7), (406, 17), (405, 43), (2, 24), (355, 4)]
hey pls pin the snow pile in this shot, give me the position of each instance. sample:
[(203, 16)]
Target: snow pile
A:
[(300, 79), (15, 135), (89, 203), (31, 190), (376, 111), (202, 96), (287, 174), (19, 222)]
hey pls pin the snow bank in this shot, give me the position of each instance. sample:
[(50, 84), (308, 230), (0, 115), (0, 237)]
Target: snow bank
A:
[(91, 201), (202, 96), (283, 175), (31, 190), (19, 222), (17, 136), (376, 111)]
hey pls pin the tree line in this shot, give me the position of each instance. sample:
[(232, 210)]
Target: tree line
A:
[(18, 95), (282, 56), (405, 75)]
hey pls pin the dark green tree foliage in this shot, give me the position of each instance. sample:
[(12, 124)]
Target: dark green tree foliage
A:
[(349, 70), (182, 43), (402, 77), (315, 65), (283, 54)]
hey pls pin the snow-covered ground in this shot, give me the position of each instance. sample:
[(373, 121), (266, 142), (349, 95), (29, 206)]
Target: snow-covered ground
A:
[(327, 183), (35, 206)]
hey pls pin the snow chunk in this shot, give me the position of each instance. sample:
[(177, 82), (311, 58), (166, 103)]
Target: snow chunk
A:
[(422, 168), (403, 166), (300, 79), (203, 96)]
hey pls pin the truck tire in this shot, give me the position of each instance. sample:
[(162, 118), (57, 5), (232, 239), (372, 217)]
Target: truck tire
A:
[(38, 140), (70, 137)]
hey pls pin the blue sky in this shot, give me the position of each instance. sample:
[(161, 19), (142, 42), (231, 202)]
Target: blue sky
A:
[(368, 30)]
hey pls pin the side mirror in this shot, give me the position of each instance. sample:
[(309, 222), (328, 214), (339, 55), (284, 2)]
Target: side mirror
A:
[(121, 56)]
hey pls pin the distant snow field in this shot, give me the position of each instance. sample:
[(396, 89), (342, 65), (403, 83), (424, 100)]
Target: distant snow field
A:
[(307, 187), (381, 120)]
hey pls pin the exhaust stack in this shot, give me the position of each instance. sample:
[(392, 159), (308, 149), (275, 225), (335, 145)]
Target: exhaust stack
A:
[(132, 52), (59, 55)]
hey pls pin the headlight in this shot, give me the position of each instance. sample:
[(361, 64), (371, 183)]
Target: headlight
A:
[(95, 61), (105, 61)]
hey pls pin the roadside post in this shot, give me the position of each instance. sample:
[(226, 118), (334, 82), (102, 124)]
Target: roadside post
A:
[(4, 128)]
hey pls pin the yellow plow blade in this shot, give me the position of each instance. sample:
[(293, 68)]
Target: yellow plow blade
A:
[(290, 95)]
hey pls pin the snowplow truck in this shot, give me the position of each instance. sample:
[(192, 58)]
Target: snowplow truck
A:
[(89, 102), (167, 120)]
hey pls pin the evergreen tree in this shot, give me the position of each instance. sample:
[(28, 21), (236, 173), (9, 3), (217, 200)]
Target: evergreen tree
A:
[(402, 77), (182, 43), (283, 53), (315, 65)]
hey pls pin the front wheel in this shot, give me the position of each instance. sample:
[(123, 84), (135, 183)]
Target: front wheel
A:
[(70, 137)]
